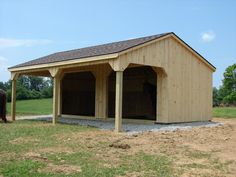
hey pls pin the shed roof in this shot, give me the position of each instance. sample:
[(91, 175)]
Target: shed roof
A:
[(98, 50), (92, 51)]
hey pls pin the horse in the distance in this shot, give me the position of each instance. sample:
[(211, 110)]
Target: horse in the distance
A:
[(3, 102)]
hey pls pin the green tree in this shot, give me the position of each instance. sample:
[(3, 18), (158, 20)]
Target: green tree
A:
[(36, 83), (29, 87), (22, 93), (3, 86), (228, 90)]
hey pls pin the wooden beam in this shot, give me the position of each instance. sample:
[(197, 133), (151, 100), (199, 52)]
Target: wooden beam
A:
[(14, 77), (55, 73), (13, 100), (55, 100), (118, 104), (68, 63)]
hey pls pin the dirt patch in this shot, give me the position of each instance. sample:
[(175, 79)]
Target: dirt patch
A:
[(23, 140), (35, 156), (89, 136), (66, 169), (133, 174), (52, 168), (120, 145), (55, 150), (7, 155)]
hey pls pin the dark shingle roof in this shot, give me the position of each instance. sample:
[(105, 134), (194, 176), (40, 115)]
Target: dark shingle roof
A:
[(98, 50)]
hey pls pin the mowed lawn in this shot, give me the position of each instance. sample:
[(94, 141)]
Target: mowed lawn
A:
[(44, 107), (224, 112), (32, 107)]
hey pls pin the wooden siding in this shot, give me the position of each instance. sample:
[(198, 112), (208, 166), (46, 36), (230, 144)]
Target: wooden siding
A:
[(184, 83), (101, 73), (190, 86)]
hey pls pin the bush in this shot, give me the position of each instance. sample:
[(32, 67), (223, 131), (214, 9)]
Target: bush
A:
[(230, 100), (47, 92), (22, 93), (35, 94)]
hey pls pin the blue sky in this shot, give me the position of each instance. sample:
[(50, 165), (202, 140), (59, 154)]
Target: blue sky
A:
[(33, 28)]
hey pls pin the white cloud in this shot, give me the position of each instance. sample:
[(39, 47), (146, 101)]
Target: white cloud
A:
[(6, 42), (208, 36)]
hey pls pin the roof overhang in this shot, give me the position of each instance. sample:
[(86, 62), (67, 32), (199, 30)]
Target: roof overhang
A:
[(63, 64), (194, 52), (74, 62)]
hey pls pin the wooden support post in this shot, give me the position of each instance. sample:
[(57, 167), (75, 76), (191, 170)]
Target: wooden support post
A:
[(14, 77), (55, 100), (55, 73), (13, 101), (118, 106)]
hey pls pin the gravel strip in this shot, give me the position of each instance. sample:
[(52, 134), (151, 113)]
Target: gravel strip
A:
[(133, 128)]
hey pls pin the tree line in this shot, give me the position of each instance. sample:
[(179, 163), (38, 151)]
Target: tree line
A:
[(29, 87), (226, 94)]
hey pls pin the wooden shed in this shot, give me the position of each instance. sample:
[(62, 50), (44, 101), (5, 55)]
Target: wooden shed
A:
[(158, 77)]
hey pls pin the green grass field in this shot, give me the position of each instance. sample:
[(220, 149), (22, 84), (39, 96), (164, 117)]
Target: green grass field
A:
[(44, 107), (32, 107), (224, 112)]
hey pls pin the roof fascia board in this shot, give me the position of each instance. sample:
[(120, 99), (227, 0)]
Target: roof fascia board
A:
[(194, 52), (64, 63)]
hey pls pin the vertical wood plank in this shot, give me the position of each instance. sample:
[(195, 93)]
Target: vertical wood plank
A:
[(55, 99), (118, 104), (101, 74), (162, 97), (13, 100)]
